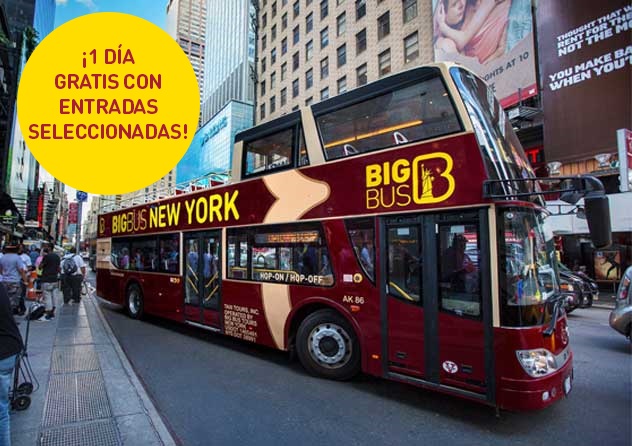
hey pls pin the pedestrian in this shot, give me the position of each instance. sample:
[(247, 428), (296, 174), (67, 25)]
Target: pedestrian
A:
[(73, 271), (26, 258), (13, 276), (10, 345), (34, 254), (49, 268)]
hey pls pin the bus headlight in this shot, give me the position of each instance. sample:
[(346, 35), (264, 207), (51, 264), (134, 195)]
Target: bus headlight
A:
[(538, 362), (567, 286)]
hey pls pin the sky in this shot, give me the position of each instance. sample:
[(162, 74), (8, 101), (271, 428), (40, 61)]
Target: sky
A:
[(154, 11)]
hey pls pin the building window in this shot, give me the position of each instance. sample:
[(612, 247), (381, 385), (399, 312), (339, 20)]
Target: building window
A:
[(342, 55), (324, 68), (324, 93), (324, 38), (384, 62), (309, 79), (263, 88), (264, 20), (283, 97), (273, 37), (308, 2), (324, 9), (295, 88), (263, 64), (361, 41), (264, 42), (272, 80), (384, 25), (284, 46), (283, 71), (361, 76), (283, 3), (342, 84), (296, 8), (262, 111), (295, 61), (309, 23), (309, 50), (360, 7), (272, 104), (273, 56), (410, 10), (411, 47), (295, 35), (341, 22), (274, 9), (284, 21), (309, 101)]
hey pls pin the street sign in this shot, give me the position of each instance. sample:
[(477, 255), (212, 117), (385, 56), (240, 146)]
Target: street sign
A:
[(81, 196)]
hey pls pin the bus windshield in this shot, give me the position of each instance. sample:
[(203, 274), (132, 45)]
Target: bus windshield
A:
[(527, 266), (500, 148)]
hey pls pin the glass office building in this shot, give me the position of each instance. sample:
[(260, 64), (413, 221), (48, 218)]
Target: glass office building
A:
[(211, 150), (230, 55)]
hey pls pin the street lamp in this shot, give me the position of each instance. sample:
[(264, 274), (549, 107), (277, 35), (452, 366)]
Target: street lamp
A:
[(554, 168), (603, 159)]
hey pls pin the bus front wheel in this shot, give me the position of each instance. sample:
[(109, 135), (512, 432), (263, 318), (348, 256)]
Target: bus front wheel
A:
[(327, 346), (134, 301)]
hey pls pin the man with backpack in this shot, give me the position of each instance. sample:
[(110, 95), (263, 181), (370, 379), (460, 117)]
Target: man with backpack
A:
[(73, 270)]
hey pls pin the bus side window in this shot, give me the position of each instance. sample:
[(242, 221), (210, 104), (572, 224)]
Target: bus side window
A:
[(144, 256), (120, 253), (362, 235), (169, 253), (272, 152), (237, 255), (303, 157)]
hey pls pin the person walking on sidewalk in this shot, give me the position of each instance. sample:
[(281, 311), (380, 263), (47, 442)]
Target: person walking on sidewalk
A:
[(49, 268), (10, 345), (28, 266), (73, 271), (13, 274)]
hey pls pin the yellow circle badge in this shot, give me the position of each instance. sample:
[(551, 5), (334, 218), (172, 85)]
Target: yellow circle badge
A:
[(108, 103)]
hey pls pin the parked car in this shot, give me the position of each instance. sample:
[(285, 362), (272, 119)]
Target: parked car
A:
[(590, 289), (621, 316), (571, 288)]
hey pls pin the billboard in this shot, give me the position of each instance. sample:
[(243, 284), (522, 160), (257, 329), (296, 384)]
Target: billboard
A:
[(494, 39), (607, 265), (585, 52)]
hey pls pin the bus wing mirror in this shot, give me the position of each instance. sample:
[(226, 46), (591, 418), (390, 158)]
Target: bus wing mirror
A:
[(581, 213), (597, 211)]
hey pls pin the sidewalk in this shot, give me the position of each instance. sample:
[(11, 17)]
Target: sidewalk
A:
[(605, 301), (89, 394)]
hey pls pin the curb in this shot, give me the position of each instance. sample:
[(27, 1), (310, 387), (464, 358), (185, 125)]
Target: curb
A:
[(156, 420)]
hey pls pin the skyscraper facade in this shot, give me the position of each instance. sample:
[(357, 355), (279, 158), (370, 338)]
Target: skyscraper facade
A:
[(230, 55), (186, 23), (310, 50)]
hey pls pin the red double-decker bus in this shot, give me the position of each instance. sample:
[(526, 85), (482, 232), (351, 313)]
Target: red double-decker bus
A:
[(396, 229)]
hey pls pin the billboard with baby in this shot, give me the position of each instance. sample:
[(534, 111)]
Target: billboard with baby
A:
[(493, 38)]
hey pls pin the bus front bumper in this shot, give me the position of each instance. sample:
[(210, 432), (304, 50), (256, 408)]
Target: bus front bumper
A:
[(535, 393)]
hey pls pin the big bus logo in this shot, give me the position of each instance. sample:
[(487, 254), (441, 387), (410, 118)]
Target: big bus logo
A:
[(402, 182), (101, 225)]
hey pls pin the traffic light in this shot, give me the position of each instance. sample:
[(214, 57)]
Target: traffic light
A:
[(31, 205)]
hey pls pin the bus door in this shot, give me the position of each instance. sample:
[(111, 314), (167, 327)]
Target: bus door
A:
[(202, 280), (435, 272)]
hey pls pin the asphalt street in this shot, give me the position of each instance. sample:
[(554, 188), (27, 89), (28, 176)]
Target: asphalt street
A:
[(212, 389)]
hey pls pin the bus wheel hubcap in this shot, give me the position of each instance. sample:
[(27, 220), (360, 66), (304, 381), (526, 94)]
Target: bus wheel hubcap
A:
[(330, 345), (134, 302)]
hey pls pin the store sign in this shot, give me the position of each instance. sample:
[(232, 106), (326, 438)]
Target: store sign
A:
[(73, 209), (499, 49), (585, 55)]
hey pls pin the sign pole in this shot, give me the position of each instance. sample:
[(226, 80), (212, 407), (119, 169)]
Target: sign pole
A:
[(78, 233)]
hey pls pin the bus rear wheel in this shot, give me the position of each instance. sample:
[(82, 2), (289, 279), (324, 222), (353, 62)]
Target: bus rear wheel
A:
[(327, 346), (134, 301)]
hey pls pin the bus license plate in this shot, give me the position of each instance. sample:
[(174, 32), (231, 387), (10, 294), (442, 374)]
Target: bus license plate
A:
[(567, 385)]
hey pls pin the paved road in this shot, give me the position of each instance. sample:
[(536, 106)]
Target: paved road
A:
[(215, 390)]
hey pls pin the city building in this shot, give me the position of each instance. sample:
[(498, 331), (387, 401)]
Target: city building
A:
[(309, 50), (230, 55), (209, 155), (186, 23), (165, 187)]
